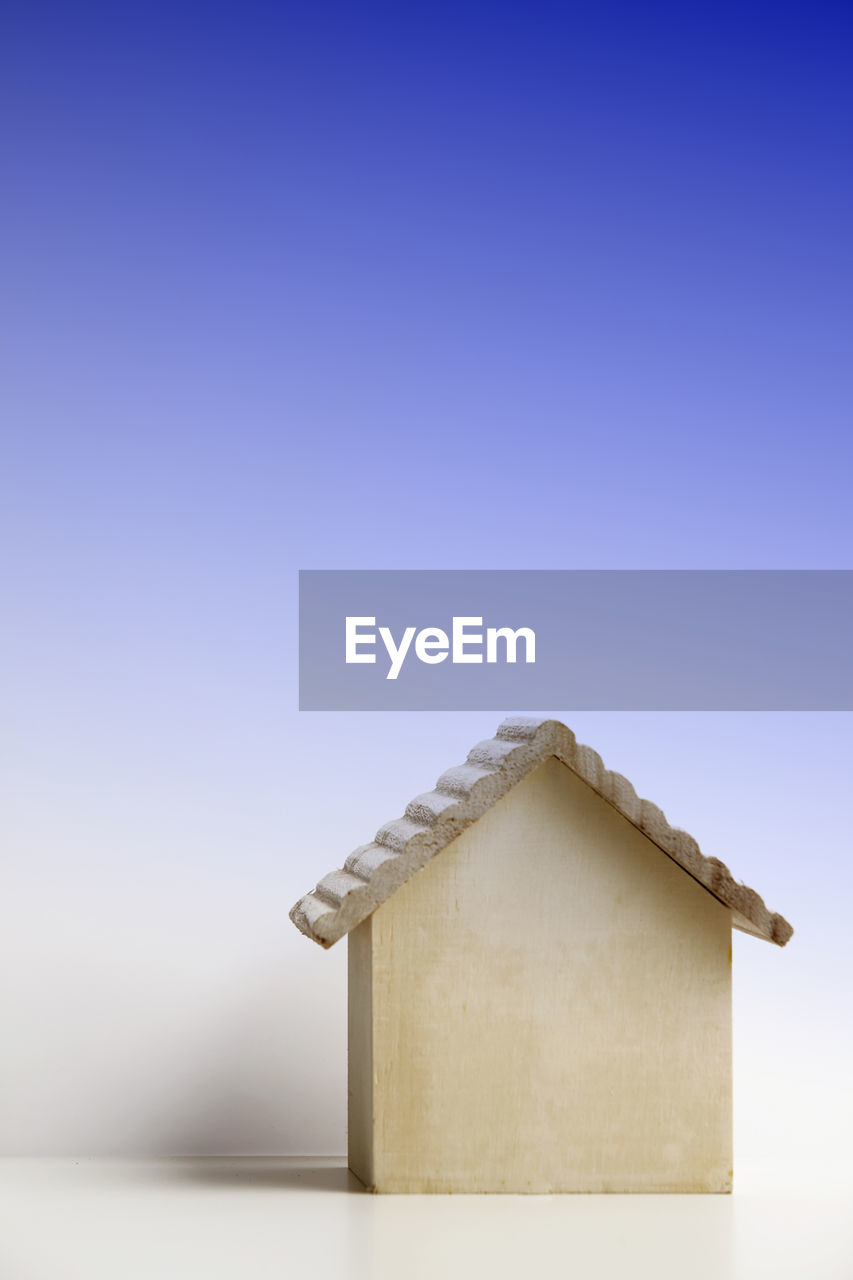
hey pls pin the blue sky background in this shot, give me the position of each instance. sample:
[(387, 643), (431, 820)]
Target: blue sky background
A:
[(368, 287)]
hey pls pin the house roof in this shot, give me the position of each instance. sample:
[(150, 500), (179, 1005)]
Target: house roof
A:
[(373, 872)]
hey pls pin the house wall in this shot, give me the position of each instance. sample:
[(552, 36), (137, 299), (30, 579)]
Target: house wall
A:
[(360, 1051), (549, 1005)]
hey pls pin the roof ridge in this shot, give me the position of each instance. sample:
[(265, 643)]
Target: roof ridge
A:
[(373, 872)]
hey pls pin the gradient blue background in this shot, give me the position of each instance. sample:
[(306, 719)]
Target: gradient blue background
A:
[(351, 287)]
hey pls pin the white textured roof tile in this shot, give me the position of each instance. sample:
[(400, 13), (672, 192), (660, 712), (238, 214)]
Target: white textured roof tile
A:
[(374, 871)]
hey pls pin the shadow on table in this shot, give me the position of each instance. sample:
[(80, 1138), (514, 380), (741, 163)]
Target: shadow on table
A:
[(278, 1175)]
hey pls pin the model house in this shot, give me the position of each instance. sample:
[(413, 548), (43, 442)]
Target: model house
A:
[(539, 982)]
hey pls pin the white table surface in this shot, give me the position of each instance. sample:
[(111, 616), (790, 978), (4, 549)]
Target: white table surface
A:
[(254, 1219)]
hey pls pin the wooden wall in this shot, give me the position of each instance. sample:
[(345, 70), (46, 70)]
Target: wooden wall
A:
[(546, 1006)]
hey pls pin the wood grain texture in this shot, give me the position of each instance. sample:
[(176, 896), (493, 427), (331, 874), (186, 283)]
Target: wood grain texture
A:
[(342, 899), (550, 1003)]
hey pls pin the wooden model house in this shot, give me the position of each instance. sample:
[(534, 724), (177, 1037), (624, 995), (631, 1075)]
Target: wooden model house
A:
[(539, 982)]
